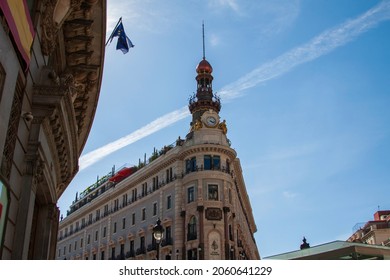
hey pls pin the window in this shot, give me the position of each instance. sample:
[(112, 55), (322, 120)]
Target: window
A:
[(122, 251), (113, 253), (81, 243), (191, 165), (116, 204), (123, 223), (90, 219), (190, 194), (169, 175), (96, 235), (104, 232), (102, 255), (70, 247), (105, 210), (143, 214), (212, 162), (75, 245), (131, 247), (64, 250), (231, 237), (83, 222), (124, 200), (169, 202), (144, 189), (114, 227), (213, 192), (97, 215), (133, 195), (216, 163), (192, 234), (155, 209), (133, 219), (89, 239), (142, 243), (168, 235), (155, 183)]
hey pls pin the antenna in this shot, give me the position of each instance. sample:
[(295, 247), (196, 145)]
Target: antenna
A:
[(204, 52)]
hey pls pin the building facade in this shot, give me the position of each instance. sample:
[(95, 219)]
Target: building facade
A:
[(375, 232), (194, 186), (51, 63)]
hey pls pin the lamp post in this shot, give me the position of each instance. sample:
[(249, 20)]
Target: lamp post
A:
[(158, 231)]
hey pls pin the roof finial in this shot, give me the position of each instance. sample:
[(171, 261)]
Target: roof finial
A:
[(204, 52)]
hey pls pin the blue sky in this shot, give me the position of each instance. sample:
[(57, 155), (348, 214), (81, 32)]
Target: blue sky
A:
[(305, 90)]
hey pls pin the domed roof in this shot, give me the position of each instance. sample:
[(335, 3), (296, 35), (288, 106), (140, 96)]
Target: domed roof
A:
[(204, 67)]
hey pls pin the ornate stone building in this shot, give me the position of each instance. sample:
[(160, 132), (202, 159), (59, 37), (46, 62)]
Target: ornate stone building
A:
[(376, 232), (195, 186), (51, 64)]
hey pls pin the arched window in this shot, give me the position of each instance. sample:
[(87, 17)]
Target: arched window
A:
[(192, 234)]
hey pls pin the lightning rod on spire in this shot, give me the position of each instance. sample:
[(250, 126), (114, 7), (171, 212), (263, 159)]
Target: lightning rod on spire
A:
[(204, 52)]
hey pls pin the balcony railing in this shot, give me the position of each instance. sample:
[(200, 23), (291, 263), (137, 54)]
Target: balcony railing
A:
[(140, 251), (166, 242), (222, 169), (130, 254)]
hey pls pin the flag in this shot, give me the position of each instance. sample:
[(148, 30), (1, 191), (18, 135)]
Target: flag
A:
[(19, 22), (124, 43)]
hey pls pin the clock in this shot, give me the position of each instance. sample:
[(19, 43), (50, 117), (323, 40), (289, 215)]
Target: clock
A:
[(211, 121)]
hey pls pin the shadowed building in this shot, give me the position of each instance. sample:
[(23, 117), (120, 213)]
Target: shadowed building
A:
[(195, 186), (51, 63)]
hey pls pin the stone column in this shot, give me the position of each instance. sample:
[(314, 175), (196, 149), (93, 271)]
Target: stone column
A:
[(201, 232), (226, 230), (45, 219), (26, 204)]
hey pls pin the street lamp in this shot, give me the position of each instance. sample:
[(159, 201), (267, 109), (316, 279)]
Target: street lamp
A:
[(158, 232)]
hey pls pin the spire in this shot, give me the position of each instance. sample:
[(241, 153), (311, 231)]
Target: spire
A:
[(204, 99), (204, 49)]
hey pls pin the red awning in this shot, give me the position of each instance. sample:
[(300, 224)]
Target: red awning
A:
[(122, 174)]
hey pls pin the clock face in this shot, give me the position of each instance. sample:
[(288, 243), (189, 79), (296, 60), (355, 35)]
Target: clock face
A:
[(211, 121)]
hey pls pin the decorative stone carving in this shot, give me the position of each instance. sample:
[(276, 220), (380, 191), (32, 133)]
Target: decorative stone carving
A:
[(50, 26), (214, 214)]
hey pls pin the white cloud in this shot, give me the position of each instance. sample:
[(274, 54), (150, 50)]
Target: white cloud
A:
[(318, 46), (156, 125), (289, 195), (231, 4), (214, 40)]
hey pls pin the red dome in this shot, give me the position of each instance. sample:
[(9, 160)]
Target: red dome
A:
[(204, 67)]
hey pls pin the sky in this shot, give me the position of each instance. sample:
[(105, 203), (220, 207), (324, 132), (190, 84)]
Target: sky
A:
[(305, 91)]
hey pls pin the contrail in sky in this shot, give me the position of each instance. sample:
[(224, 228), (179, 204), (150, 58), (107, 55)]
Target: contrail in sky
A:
[(318, 46)]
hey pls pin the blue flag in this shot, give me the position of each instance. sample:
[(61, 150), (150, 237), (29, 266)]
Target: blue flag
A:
[(124, 43)]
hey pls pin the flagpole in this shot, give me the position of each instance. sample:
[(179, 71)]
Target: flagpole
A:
[(119, 21)]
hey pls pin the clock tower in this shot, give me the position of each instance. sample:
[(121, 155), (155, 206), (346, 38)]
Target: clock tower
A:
[(204, 106)]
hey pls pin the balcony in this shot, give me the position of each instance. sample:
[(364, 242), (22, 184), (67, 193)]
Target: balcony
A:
[(130, 254), (166, 242), (140, 251), (151, 247), (222, 169)]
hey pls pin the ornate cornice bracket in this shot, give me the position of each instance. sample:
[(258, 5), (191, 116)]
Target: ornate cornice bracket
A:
[(54, 12)]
